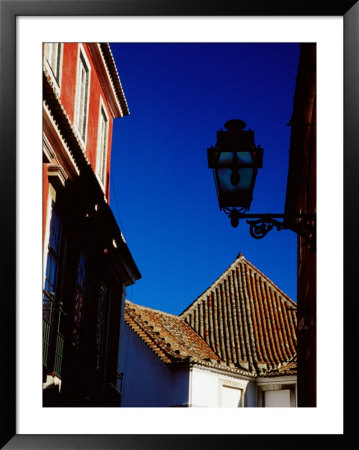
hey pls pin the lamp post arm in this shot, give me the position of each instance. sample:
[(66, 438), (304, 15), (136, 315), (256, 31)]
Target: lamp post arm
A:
[(261, 224)]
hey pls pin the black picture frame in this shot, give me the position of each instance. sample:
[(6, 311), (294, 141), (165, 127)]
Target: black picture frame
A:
[(9, 10)]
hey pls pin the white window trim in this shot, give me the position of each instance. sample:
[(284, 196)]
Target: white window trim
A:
[(56, 83), (81, 52), (240, 385), (102, 107)]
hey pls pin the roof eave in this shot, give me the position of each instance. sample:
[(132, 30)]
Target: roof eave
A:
[(111, 65)]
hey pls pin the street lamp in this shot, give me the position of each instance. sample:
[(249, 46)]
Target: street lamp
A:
[(235, 161)]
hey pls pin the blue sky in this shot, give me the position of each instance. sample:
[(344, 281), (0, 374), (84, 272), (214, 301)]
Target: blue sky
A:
[(162, 192)]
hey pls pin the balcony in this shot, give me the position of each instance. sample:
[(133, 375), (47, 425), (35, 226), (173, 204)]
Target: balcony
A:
[(52, 338)]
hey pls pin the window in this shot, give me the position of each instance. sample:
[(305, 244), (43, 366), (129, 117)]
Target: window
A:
[(231, 397), (277, 398), (102, 145), (50, 282), (276, 395), (80, 294), (52, 263), (101, 329), (82, 93), (53, 56), (231, 393)]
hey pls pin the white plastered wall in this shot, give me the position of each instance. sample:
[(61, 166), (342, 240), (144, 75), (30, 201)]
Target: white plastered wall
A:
[(210, 389)]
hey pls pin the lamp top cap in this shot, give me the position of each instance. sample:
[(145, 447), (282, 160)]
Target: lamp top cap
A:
[(235, 125)]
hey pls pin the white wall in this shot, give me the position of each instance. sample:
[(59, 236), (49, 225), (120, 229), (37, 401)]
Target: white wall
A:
[(213, 390), (147, 382)]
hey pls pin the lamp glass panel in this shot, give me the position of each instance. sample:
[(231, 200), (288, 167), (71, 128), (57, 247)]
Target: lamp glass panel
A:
[(226, 158), (245, 180), (239, 195)]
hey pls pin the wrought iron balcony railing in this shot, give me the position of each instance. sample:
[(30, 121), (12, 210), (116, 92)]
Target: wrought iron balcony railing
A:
[(53, 339)]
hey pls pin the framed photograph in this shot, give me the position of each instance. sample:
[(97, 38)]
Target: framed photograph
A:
[(101, 27)]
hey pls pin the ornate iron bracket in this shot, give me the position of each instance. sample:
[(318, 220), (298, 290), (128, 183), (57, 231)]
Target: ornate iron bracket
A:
[(261, 224)]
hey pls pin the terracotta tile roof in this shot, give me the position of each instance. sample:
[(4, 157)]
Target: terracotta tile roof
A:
[(243, 323), (247, 320), (172, 339), (285, 368)]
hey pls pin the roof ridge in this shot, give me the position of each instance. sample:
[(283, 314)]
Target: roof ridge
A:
[(239, 257), (148, 308)]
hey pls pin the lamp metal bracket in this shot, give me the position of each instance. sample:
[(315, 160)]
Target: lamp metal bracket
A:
[(303, 225)]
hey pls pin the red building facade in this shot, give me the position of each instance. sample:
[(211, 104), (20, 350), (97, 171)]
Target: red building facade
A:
[(86, 262)]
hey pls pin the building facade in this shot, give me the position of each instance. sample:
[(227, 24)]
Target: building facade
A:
[(234, 346), (86, 262), (301, 199)]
